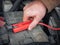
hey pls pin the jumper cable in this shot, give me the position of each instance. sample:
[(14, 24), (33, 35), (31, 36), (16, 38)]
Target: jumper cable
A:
[(24, 25)]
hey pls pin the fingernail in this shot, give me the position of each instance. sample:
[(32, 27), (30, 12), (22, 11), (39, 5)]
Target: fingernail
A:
[(29, 28)]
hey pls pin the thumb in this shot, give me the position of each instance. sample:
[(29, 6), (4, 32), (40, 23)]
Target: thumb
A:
[(34, 23)]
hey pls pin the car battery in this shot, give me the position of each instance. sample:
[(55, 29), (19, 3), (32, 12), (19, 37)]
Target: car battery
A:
[(24, 37)]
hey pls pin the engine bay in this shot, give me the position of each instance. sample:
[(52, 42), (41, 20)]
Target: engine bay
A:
[(12, 12)]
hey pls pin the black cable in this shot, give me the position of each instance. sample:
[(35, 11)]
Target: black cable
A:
[(16, 5)]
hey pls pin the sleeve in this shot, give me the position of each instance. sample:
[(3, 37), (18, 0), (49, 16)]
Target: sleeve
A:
[(50, 4)]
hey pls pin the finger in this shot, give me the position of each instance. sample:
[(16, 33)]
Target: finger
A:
[(25, 18), (34, 23)]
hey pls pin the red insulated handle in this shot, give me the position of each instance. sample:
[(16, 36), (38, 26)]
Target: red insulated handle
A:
[(19, 29), (21, 26)]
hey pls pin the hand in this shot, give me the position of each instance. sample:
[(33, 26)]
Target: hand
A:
[(36, 10)]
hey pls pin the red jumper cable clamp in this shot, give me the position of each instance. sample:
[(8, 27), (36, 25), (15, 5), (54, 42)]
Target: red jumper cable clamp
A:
[(24, 25), (21, 26)]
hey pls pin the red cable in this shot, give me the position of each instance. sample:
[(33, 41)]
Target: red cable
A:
[(50, 27)]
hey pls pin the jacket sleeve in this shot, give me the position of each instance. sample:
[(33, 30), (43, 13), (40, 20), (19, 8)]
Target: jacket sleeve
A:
[(50, 4)]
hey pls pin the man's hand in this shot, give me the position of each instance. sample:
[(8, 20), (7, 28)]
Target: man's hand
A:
[(36, 10)]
